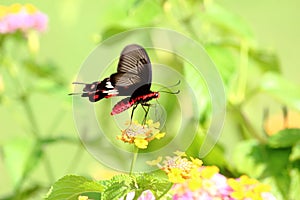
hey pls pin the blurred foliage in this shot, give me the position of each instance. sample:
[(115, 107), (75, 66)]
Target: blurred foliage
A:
[(29, 84)]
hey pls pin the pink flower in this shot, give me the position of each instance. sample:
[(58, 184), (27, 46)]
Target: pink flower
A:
[(188, 195), (267, 196), (221, 184), (40, 21), (147, 195), (24, 19)]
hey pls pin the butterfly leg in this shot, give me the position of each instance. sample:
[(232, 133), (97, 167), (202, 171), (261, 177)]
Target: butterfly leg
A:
[(146, 111), (133, 108)]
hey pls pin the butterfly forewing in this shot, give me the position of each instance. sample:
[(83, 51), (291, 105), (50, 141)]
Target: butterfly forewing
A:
[(134, 71)]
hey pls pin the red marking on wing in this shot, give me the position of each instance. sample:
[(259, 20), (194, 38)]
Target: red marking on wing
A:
[(96, 96)]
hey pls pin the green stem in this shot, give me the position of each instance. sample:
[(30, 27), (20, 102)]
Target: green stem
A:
[(30, 116), (246, 123), (165, 192), (34, 129), (135, 154), (242, 83)]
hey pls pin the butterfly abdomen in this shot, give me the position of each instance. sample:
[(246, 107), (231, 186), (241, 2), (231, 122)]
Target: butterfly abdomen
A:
[(122, 105), (145, 97), (126, 103)]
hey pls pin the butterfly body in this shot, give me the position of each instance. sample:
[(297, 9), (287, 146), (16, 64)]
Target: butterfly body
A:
[(133, 79), (126, 103)]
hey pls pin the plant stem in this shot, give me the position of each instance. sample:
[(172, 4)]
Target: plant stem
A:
[(242, 83), (30, 116), (34, 131), (244, 120), (165, 192), (135, 153)]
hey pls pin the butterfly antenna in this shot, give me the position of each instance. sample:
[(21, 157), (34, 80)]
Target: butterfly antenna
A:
[(170, 86), (79, 83), (177, 92), (75, 93)]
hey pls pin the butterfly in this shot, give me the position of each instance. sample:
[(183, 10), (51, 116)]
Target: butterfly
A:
[(133, 79)]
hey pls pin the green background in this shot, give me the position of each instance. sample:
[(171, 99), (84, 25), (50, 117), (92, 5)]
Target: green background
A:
[(74, 29)]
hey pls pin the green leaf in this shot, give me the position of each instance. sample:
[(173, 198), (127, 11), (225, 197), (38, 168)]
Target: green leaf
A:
[(259, 160), (266, 60), (118, 186), (112, 30), (144, 13), (247, 158), (16, 156), (227, 21), (155, 182), (71, 186), (283, 182), (284, 138), (41, 70), (281, 89), (198, 86), (295, 155), (295, 184), (224, 60)]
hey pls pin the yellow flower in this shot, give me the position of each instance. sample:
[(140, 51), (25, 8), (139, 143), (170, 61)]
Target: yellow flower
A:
[(154, 162), (246, 187), (83, 197), (155, 125), (175, 175), (209, 171), (160, 135), (141, 134), (1, 84), (195, 183), (15, 8), (262, 188), (196, 162), (3, 11), (245, 180), (30, 8), (141, 143), (180, 153), (195, 179)]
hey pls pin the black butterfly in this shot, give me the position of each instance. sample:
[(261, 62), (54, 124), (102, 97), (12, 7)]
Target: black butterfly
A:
[(133, 79)]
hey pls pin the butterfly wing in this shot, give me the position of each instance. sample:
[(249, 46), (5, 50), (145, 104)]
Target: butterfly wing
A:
[(99, 90), (134, 73), (133, 78)]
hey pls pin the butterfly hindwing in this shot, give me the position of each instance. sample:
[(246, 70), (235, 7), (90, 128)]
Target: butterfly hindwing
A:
[(99, 90)]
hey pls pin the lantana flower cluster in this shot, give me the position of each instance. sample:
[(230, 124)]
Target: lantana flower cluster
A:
[(192, 181), (141, 134), (17, 17)]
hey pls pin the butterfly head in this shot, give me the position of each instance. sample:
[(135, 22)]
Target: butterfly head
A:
[(155, 95)]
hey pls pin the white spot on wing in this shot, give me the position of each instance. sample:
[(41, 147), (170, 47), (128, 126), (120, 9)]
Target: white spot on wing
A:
[(109, 85), (111, 92)]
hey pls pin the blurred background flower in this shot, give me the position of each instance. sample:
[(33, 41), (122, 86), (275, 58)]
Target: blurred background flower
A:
[(17, 17)]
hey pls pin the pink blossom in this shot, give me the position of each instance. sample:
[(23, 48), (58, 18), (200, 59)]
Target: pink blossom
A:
[(221, 184), (147, 195), (23, 21), (41, 21), (267, 196)]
